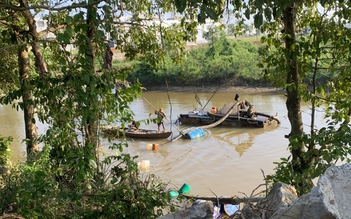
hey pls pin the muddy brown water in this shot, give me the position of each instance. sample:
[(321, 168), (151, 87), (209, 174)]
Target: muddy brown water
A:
[(228, 161)]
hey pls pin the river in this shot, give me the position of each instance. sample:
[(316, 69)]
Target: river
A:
[(227, 162)]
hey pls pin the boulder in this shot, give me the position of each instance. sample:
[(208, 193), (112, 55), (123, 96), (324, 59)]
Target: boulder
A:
[(280, 196), (330, 199), (200, 210)]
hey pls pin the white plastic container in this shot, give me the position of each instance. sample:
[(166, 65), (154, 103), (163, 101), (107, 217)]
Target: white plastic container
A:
[(149, 147), (145, 164)]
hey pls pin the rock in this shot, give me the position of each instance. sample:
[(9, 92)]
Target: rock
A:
[(280, 196), (203, 210), (250, 212), (330, 199)]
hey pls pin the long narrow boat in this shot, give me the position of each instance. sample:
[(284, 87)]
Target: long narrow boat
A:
[(138, 133), (258, 120), (239, 117), (195, 132)]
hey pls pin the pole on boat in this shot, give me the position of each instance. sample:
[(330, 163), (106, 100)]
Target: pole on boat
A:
[(213, 124), (165, 117), (211, 97)]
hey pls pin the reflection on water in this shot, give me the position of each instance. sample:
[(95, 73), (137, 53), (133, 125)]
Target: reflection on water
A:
[(241, 142), (228, 161), (244, 142)]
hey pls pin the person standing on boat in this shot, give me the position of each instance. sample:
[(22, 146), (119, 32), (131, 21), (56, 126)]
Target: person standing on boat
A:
[(160, 117), (250, 110)]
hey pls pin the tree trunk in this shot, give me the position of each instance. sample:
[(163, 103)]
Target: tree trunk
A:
[(39, 59), (300, 162), (27, 98), (108, 58), (293, 102), (92, 120)]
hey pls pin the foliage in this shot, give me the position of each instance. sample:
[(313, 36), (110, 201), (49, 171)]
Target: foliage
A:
[(223, 60), (295, 58), (69, 179), (201, 9), (333, 147), (239, 61), (8, 71), (41, 190), (74, 94), (4, 153)]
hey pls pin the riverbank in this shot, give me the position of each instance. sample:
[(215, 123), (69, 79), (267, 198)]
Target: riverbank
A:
[(212, 88)]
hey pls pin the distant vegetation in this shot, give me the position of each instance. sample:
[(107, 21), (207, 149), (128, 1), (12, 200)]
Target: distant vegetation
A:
[(223, 60)]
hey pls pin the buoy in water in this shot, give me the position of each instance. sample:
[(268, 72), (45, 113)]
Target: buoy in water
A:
[(149, 147), (155, 147), (145, 164)]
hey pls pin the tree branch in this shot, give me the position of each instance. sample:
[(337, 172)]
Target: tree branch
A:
[(43, 7), (226, 200)]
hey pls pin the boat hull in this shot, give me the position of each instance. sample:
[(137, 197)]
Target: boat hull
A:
[(259, 120), (191, 119)]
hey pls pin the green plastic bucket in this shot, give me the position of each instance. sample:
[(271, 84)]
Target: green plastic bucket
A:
[(173, 194), (184, 189)]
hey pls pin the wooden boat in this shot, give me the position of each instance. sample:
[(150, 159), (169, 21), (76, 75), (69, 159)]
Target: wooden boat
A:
[(239, 116), (195, 132), (138, 133)]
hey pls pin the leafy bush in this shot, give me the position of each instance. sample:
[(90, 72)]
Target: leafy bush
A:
[(222, 61), (4, 153), (333, 146), (117, 190)]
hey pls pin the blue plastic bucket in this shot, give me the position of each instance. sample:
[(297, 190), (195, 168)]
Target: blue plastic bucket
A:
[(196, 133)]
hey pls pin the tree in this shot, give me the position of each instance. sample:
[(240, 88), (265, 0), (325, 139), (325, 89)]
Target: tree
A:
[(143, 30), (73, 92), (15, 30), (288, 65)]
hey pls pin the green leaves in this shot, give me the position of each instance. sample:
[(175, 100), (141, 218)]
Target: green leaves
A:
[(63, 37), (259, 3), (258, 19), (268, 14), (247, 13), (211, 13), (181, 5), (5, 153), (203, 8)]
